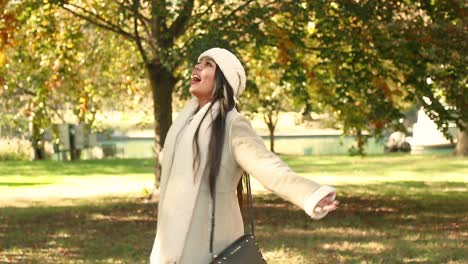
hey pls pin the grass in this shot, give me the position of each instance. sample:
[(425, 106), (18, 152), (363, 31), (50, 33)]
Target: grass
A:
[(394, 209), (23, 183)]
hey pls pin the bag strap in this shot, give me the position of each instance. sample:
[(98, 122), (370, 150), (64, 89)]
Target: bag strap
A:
[(249, 197), (250, 201)]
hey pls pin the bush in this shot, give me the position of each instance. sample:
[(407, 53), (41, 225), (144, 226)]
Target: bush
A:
[(15, 149)]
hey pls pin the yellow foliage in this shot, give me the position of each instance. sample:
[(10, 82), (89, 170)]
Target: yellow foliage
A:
[(2, 59)]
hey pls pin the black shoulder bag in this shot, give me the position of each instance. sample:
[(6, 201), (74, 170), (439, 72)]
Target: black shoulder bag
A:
[(245, 249)]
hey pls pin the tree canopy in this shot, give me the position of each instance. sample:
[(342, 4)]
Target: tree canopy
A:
[(64, 67), (364, 61)]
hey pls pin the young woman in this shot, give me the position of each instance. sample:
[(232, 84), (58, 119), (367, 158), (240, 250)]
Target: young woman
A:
[(209, 145)]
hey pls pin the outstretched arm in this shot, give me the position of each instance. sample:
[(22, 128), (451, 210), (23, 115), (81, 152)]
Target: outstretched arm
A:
[(250, 153)]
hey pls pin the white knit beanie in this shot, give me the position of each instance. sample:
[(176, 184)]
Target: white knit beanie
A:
[(230, 66)]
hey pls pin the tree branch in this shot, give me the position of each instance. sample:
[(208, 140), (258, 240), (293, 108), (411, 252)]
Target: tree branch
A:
[(137, 35), (56, 111), (21, 91), (97, 20), (128, 7), (179, 25), (233, 12), (158, 25), (150, 40), (145, 21)]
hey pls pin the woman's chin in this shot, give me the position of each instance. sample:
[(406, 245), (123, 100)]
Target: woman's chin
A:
[(193, 90), (196, 89), (194, 86)]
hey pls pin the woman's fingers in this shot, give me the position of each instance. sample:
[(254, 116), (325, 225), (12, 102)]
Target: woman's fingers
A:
[(326, 206), (326, 200), (331, 207)]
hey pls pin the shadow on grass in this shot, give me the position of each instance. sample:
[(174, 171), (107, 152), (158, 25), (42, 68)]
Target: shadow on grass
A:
[(429, 227), (375, 228), (111, 231)]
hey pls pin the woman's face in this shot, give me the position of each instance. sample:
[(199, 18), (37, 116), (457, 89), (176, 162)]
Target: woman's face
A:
[(203, 79)]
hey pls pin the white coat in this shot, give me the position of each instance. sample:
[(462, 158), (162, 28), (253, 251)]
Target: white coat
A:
[(185, 239)]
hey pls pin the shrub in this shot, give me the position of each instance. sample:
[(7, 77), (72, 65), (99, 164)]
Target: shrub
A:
[(15, 149)]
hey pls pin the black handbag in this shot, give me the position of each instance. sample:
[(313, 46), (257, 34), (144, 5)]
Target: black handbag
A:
[(245, 249)]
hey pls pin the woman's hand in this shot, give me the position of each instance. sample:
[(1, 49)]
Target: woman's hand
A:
[(327, 204)]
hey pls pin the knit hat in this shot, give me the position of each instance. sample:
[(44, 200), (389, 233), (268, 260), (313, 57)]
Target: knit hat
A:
[(231, 67)]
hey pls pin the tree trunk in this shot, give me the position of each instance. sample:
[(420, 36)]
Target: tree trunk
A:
[(271, 119), (461, 149), (39, 153), (73, 150), (272, 137), (162, 84), (37, 141), (360, 142)]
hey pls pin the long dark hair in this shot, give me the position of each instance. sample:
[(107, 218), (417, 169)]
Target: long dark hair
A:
[(224, 94)]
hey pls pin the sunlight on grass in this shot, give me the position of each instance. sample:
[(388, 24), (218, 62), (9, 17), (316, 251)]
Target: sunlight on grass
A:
[(25, 183), (129, 218), (77, 187), (61, 234), (415, 260), (18, 255), (347, 232), (284, 255), (355, 246)]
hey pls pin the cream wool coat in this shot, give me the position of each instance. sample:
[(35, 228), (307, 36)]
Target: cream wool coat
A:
[(243, 150)]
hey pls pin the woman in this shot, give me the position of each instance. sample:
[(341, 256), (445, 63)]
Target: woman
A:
[(211, 143)]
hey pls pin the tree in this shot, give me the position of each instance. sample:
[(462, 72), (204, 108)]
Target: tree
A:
[(376, 57), (8, 28), (266, 94), (347, 75), (8, 23), (278, 69), (432, 52), (169, 35), (60, 66), (423, 44)]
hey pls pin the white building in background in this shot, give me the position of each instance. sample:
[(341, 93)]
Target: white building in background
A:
[(426, 135)]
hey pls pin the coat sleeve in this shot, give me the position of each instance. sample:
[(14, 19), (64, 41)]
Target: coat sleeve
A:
[(251, 155)]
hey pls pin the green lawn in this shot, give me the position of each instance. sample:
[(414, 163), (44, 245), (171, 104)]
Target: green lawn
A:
[(394, 209), (24, 183)]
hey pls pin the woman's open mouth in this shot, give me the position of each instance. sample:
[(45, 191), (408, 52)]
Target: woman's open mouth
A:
[(195, 79)]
